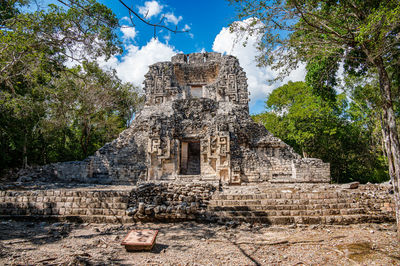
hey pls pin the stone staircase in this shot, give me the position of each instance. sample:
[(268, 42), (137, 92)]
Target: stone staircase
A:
[(77, 205), (187, 200), (293, 206)]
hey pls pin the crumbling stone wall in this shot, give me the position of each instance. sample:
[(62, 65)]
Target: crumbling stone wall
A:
[(78, 205), (166, 201), (196, 98)]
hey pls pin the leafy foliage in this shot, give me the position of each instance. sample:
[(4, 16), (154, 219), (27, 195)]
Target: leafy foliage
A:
[(321, 76), (50, 112), (321, 129), (294, 30)]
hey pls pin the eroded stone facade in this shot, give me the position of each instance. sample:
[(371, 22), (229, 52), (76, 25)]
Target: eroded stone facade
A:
[(195, 125)]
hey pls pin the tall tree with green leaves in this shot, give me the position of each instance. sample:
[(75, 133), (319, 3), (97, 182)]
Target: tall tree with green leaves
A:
[(321, 129), (362, 33), (88, 107), (49, 111)]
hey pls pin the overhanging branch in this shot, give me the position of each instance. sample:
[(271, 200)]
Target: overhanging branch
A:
[(158, 25)]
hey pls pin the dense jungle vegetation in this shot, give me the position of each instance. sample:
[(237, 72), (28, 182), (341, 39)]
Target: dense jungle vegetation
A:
[(56, 103)]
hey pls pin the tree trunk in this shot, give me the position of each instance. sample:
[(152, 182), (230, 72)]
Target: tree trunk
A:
[(390, 135), (386, 146), (43, 148), (24, 153), (64, 142), (85, 138)]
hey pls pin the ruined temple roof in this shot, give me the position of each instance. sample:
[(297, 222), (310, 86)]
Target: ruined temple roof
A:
[(199, 75)]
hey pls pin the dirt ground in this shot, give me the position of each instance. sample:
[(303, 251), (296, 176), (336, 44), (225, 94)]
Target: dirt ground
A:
[(190, 243)]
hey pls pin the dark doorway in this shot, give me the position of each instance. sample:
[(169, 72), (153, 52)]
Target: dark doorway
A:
[(190, 158)]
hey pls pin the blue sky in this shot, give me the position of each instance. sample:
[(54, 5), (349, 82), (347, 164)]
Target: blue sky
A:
[(205, 18), (208, 22)]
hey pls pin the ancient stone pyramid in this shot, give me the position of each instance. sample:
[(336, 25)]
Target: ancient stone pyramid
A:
[(195, 125)]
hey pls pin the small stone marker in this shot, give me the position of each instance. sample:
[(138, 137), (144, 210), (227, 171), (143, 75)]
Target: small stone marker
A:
[(352, 185), (140, 240)]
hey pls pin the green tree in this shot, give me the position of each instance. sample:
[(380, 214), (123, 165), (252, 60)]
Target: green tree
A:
[(321, 76), (48, 111), (364, 33), (321, 129), (88, 107), (103, 106)]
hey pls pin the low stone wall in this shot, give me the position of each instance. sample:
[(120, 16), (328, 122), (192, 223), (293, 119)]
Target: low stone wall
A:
[(167, 201), (80, 205), (305, 204), (375, 199), (310, 170)]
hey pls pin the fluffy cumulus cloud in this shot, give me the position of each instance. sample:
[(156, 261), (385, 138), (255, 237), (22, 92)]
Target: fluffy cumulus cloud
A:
[(134, 63), (153, 9), (129, 33), (171, 18), (231, 43), (150, 9)]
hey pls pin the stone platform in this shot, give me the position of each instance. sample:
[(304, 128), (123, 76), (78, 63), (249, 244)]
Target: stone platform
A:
[(94, 204), (329, 204), (202, 201)]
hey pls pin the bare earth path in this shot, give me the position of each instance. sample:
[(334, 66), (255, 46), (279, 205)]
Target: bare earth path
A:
[(28, 243)]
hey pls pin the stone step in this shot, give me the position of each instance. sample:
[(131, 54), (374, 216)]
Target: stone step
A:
[(235, 214), (283, 207), (278, 202), (71, 218), (50, 199), (63, 211), (65, 193), (275, 195), (331, 219), (62, 205), (234, 202)]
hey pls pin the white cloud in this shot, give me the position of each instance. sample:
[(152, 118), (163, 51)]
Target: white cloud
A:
[(167, 37), (231, 43), (150, 9), (125, 18), (187, 28), (134, 64), (129, 33), (170, 17)]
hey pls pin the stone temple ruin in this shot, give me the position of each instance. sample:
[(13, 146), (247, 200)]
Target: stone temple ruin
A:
[(195, 125), (192, 139)]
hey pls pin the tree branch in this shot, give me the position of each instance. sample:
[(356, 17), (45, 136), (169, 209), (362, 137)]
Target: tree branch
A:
[(323, 27), (158, 25)]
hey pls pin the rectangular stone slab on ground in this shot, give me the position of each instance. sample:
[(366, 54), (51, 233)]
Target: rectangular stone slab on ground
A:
[(140, 240)]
